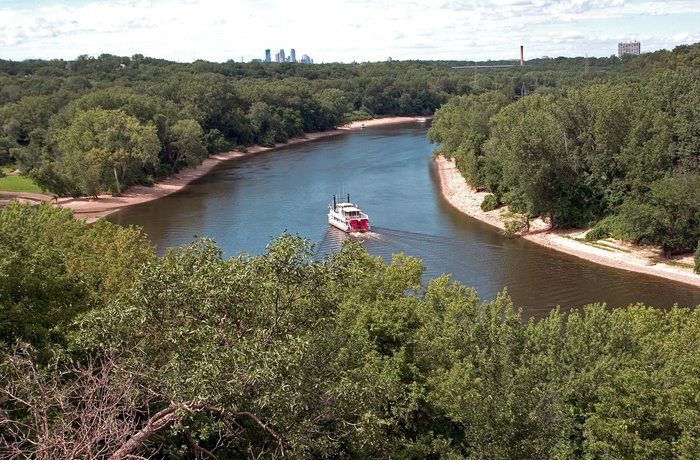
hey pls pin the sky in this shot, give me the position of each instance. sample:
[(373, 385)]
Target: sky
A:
[(342, 30)]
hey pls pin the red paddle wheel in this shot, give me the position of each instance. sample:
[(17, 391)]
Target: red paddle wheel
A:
[(364, 225)]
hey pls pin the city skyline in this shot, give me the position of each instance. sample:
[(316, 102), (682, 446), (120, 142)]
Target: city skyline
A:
[(280, 56), (341, 30)]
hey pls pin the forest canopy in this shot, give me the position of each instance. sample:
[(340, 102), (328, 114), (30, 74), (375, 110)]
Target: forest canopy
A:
[(621, 154), (149, 118), (110, 351), (200, 108), (188, 355)]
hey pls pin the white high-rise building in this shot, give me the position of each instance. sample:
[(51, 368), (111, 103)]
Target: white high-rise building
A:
[(628, 48)]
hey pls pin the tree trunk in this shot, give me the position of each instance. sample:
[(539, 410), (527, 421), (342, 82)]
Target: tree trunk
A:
[(154, 424), (116, 178)]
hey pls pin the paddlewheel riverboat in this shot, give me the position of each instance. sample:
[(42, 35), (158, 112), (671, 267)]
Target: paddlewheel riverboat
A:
[(347, 216)]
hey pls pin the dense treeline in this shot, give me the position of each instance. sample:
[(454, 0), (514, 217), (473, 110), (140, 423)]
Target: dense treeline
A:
[(101, 123), (97, 124), (620, 153), (130, 355), (109, 351)]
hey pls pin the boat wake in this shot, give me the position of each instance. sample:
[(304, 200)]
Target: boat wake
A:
[(384, 242)]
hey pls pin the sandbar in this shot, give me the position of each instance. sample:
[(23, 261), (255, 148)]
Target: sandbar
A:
[(609, 252), (90, 209), (455, 190)]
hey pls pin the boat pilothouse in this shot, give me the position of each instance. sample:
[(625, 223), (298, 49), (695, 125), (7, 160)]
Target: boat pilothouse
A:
[(347, 217)]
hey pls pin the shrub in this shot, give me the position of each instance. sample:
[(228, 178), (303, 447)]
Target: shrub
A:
[(148, 180), (490, 203), (600, 230), (612, 226), (597, 233), (515, 223), (360, 115), (697, 259)]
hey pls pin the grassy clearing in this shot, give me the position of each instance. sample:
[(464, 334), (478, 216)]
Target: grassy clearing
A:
[(676, 263), (600, 244), (18, 183), (608, 247)]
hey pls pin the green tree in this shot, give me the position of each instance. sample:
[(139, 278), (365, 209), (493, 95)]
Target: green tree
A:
[(637, 388), (54, 267), (257, 338), (215, 103), (648, 155), (346, 356), (667, 216), (186, 145), (531, 148), (266, 123), (491, 376), (597, 120), (334, 106), (461, 127), (102, 142)]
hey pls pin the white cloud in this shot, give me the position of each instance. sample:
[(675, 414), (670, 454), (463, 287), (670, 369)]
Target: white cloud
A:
[(339, 30)]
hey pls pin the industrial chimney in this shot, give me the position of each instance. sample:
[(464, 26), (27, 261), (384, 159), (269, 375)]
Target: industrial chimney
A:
[(522, 58)]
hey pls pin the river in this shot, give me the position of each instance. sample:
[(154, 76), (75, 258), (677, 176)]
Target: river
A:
[(389, 172)]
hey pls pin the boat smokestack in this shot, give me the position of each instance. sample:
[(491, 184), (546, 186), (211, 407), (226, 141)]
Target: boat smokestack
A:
[(334, 205), (348, 198), (522, 56)]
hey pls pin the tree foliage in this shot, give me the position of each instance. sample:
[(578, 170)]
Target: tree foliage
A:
[(189, 355), (235, 105), (54, 267), (104, 149), (238, 104), (461, 128), (605, 149), (108, 351), (186, 144)]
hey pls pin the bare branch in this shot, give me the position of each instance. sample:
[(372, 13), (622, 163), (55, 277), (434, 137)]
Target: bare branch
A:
[(198, 450), (154, 424), (93, 410)]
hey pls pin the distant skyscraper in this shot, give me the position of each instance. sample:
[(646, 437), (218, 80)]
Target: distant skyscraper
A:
[(267, 56), (628, 48), (293, 55), (282, 58), (306, 59)]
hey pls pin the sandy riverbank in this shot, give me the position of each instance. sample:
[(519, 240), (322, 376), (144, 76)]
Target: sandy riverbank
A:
[(454, 188), (609, 252), (92, 209)]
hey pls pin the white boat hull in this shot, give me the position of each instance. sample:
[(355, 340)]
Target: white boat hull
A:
[(360, 227), (348, 217)]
